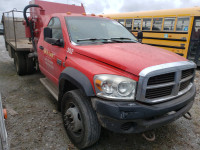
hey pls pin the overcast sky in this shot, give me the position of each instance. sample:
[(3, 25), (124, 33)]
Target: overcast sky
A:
[(109, 6)]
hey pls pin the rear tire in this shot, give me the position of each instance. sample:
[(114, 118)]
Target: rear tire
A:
[(20, 63), (80, 120), (29, 65)]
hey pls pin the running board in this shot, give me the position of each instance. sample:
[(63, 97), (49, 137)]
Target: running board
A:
[(50, 87)]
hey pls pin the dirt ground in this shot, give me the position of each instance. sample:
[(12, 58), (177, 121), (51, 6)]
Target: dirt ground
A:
[(35, 124)]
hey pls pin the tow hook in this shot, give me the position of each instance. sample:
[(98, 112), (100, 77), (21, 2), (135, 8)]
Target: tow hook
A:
[(188, 116), (149, 136)]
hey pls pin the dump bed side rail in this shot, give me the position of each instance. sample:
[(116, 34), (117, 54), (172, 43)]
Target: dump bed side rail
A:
[(15, 31)]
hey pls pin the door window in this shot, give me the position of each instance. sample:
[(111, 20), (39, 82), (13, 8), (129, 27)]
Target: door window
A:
[(196, 30), (55, 25), (194, 52)]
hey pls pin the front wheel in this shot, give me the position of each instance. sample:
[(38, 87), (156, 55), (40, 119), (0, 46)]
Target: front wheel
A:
[(80, 120)]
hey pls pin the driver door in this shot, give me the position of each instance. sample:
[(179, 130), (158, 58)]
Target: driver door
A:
[(51, 63)]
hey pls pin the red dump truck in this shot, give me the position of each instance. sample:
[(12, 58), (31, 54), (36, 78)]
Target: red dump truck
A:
[(98, 71)]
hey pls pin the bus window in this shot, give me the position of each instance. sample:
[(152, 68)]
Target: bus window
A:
[(129, 24), (137, 24), (146, 24), (157, 24), (182, 24), (121, 21), (169, 24)]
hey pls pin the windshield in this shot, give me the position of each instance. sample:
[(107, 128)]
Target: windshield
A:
[(87, 30)]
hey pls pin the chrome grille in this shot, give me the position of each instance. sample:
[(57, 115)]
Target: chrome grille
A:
[(187, 73), (184, 85), (164, 78), (158, 92), (166, 81)]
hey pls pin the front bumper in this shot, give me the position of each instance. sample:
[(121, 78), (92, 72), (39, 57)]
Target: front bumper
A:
[(136, 117)]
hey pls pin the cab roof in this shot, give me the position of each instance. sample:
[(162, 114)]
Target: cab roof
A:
[(69, 14)]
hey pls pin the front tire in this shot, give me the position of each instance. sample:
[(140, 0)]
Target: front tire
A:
[(80, 120)]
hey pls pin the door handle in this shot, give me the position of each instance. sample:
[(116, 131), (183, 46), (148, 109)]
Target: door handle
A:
[(41, 47), (59, 62)]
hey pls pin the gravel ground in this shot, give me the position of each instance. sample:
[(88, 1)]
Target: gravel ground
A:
[(34, 124)]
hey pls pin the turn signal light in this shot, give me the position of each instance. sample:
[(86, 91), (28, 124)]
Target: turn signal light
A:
[(98, 84)]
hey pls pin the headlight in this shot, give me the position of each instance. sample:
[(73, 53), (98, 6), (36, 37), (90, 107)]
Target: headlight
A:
[(114, 87)]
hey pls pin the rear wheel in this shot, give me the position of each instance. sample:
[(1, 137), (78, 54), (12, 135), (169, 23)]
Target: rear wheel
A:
[(29, 65), (80, 120), (20, 63)]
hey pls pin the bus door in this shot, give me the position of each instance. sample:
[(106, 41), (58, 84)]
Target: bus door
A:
[(194, 48)]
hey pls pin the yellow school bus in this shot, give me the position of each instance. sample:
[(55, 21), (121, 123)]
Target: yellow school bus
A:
[(176, 30)]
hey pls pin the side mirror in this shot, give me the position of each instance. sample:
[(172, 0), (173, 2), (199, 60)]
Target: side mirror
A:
[(53, 41), (47, 32)]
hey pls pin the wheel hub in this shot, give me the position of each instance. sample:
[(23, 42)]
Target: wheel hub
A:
[(73, 119)]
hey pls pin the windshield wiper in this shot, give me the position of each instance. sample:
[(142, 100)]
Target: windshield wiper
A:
[(123, 39), (120, 38), (111, 40), (92, 39)]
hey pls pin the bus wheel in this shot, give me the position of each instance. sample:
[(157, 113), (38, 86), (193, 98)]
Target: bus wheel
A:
[(20, 63), (80, 120)]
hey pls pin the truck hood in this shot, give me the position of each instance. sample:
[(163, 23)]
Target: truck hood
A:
[(130, 57)]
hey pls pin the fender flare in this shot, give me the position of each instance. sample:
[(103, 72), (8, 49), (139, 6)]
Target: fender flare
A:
[(78, 79)]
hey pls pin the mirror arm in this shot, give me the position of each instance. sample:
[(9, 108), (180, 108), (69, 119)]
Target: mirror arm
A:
[(58, 43)]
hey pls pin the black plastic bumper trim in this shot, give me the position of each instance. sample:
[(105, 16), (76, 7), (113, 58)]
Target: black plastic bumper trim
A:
[(112, 115)]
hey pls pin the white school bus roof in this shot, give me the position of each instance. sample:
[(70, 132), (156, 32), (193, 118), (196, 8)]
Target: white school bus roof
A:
[(194, 11)]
